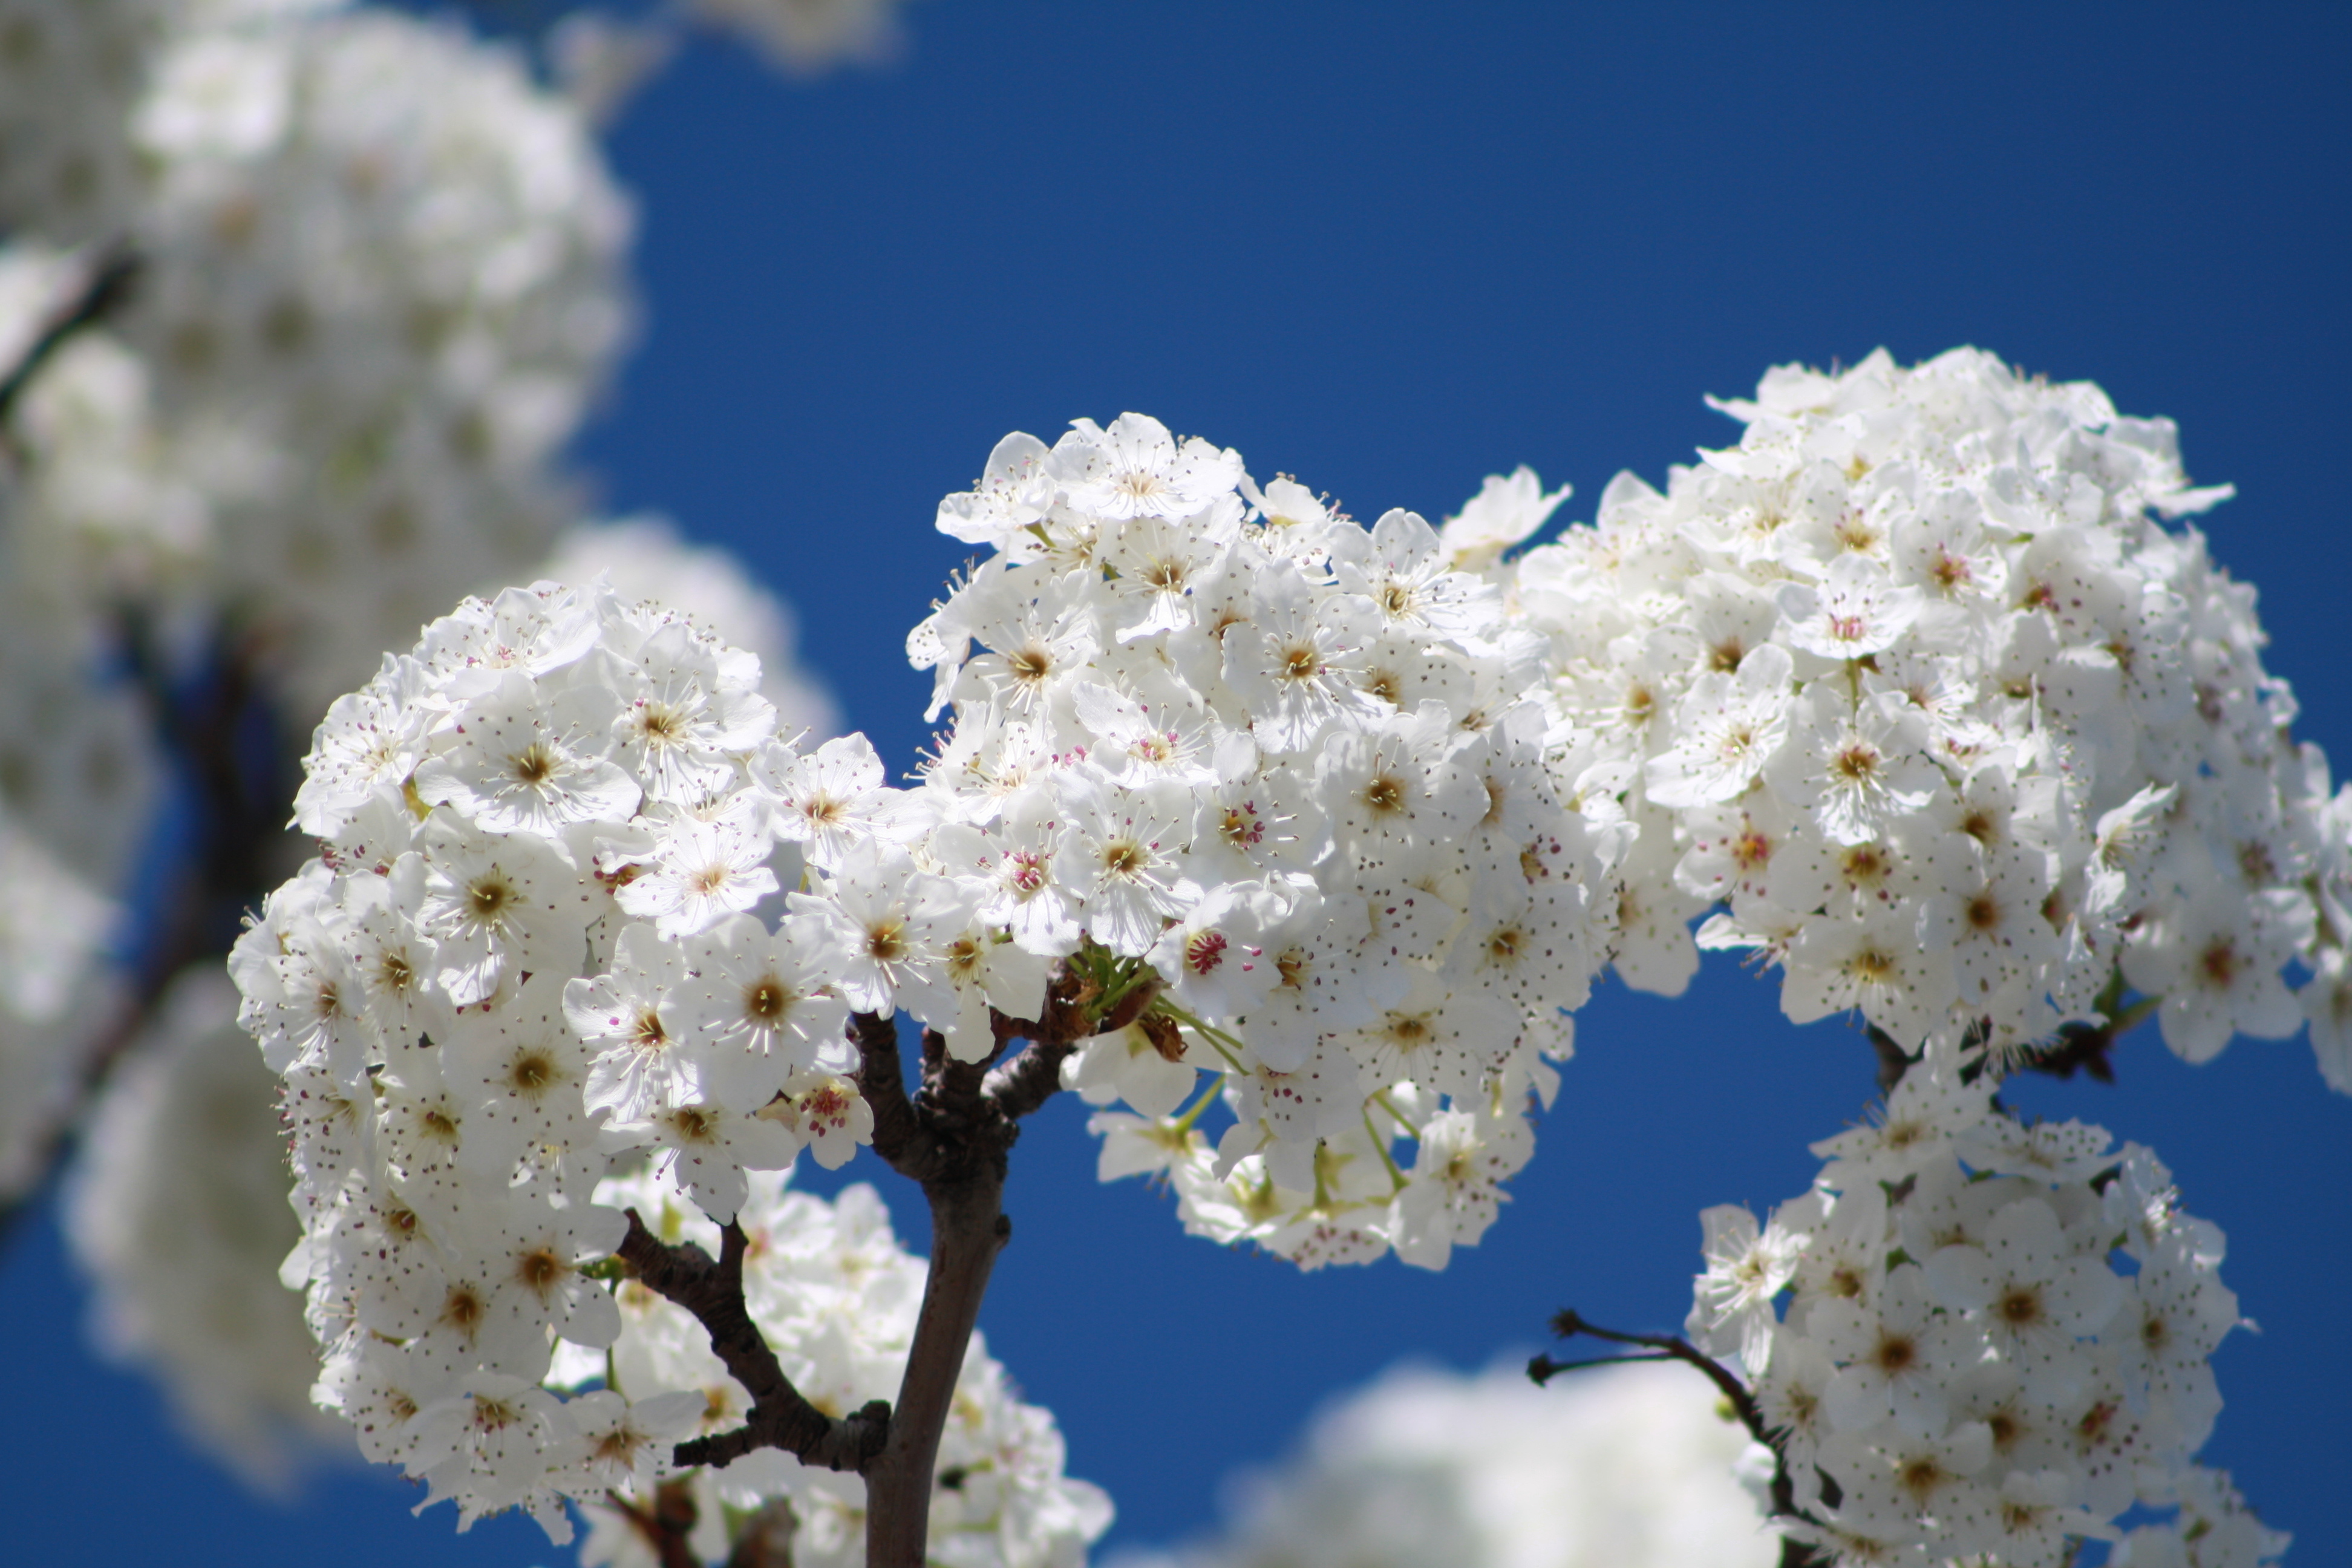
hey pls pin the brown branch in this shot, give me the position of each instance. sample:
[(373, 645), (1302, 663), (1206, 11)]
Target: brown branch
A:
[(665, 1525), (1567, 1325), (1894, 1061), (767, 1538), (2083, 1047), (949, 1103), (1795, 1553), (969, 1228), (1029, 1080), (779, 1417), (1019, 1087), (970, 1114), (105, 285), (903, 1141), (954, 1135)]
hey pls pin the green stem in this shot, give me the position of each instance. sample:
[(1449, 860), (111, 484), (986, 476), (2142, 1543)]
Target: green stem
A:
[(1381, 1097), (1397, 1181)]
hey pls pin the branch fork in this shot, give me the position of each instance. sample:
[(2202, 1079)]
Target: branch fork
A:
[(952, 1136)]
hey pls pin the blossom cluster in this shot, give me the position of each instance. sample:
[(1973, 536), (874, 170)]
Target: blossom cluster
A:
[(1996, 1335), (375, 273), (1279, 766), (834, 1295), (379, 276), (530, 942), (1915, 692)]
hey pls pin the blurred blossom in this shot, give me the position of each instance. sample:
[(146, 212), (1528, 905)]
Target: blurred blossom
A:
[(178, 1213), (1626, 1467)]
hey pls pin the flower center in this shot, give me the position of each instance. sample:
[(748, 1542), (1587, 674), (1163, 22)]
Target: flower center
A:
[(1856, 763), (490, 898), (534, 764), (768, 1000), (542, 1271)]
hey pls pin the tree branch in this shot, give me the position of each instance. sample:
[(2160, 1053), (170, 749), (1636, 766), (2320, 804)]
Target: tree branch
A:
[(969, 1228), (1029, 1080), (954, 1135), (767, 1538), (2079, 1047), (902, 1141), (1567, 1325), (1019, 1087), (666, 1524), (780, 1417), (970, 1114), (104, 286), (1894, 1061)]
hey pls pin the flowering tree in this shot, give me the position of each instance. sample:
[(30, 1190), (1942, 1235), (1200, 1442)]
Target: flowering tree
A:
[(1297, 838), (1237, 786)]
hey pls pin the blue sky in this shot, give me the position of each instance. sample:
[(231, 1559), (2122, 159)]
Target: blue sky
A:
[(1391, 249)]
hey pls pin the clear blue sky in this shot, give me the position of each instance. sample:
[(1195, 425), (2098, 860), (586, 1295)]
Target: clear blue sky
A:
[(1391, 248)]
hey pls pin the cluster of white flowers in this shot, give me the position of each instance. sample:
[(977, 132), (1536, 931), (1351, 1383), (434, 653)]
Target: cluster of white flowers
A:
[(1911, 691), (375, 277), (377, 274), (178, 1214), (1278, 766), (380, 278), (533, 940), (2211, 1527), (834, 1296), (71, 78), (1997, 1336), (648, 556), (1628, 1466)]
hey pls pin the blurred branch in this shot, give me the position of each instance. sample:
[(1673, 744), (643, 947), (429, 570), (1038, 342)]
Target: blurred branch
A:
[(766, 1541), (105, 285), (208, 732), (2085, 1047), (666, 1524)]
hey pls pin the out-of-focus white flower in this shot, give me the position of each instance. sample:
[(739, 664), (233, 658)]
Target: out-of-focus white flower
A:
[(1619, 1468), (805, 37), (379, 277), (177, 1211)]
